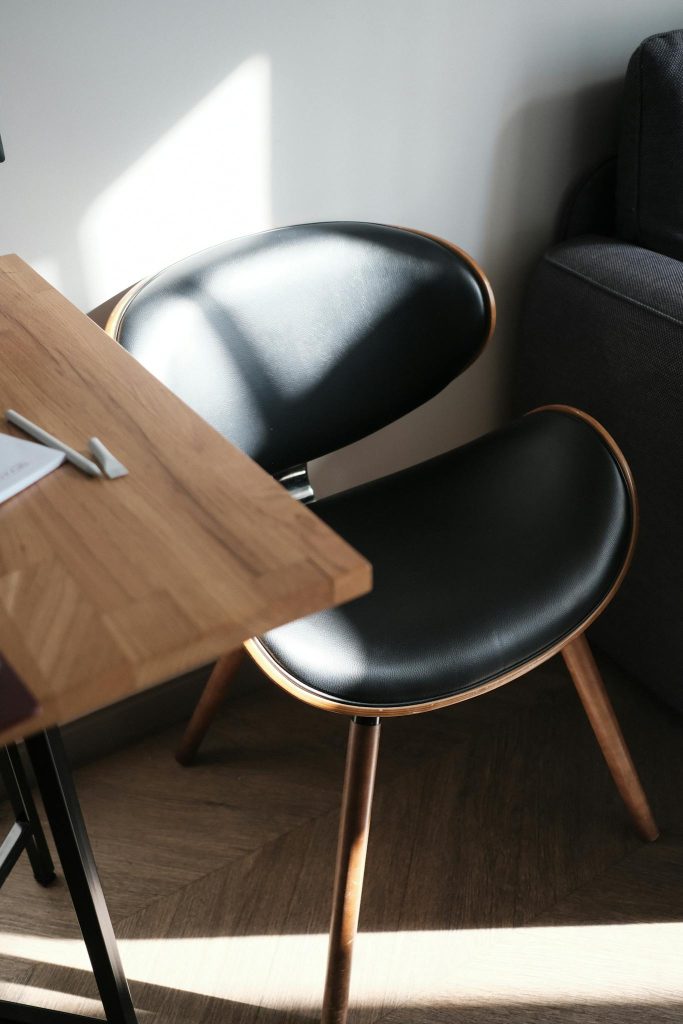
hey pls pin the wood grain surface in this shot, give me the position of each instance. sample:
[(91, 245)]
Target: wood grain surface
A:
[(107, 587)]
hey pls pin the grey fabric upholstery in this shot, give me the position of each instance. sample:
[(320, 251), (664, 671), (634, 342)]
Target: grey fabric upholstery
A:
[(603, 330)]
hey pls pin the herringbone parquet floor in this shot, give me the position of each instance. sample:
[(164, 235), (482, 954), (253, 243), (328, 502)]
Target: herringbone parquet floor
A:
[(504, 883)]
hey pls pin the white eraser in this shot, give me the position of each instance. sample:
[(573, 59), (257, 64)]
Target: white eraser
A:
[(111, 466)]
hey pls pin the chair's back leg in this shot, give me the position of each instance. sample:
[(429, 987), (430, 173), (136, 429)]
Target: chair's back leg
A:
[(591, 689), (208, 704), (354, 827)]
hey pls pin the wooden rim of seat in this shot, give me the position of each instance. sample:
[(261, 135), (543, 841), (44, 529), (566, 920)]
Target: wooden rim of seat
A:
[(279, 675)]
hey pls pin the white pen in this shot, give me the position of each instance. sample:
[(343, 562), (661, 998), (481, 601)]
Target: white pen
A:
[(85, 465)]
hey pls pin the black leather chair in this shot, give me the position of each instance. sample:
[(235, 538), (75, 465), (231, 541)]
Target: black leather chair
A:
[(488, 560)]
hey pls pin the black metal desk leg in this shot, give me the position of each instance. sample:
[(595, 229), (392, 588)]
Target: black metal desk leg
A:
[(53, 776), (21, 800)]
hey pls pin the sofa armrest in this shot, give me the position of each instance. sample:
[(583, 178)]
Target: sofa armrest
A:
[(603, 330)]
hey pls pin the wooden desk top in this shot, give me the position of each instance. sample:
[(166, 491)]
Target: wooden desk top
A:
[(110, 586)]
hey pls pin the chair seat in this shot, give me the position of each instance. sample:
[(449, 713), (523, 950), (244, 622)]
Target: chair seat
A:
[(483, 559)]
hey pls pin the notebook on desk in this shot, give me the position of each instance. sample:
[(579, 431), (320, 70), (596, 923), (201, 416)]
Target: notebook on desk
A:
[(16, 702), (23, 463)]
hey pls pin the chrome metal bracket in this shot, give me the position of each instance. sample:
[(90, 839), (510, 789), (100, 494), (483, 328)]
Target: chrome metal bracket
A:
[(295, 480)]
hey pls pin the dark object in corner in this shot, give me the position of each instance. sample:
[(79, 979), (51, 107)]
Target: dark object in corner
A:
[(591, 207), (16, 702), (603, 330), (2, 152)]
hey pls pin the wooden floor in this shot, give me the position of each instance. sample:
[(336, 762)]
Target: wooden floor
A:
[(504, 883)]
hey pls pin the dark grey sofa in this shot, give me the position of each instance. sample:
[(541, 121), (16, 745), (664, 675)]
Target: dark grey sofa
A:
[(603, 330)]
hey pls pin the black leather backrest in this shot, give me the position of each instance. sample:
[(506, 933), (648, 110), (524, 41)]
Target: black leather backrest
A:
[(298, 341)]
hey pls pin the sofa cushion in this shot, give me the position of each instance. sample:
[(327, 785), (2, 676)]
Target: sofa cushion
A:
[(650, 166)]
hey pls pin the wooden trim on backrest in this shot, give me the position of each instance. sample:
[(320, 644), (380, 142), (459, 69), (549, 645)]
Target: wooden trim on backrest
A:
[(484, 283), (113, 323)]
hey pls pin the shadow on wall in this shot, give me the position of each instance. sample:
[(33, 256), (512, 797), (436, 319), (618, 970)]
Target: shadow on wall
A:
[(553, 139)]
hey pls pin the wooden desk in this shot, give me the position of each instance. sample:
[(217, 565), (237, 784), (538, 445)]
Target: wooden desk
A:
[(108, 587)]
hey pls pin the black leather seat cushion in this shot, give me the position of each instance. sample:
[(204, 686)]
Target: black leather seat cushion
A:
[(483, 558)]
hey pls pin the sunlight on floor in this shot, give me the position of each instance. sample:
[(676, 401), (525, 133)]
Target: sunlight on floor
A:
[(594, 964), (206, 180), (32, 995)]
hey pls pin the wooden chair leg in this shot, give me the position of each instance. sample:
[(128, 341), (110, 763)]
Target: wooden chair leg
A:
[(354, 826), (208, 704), (591, 689)]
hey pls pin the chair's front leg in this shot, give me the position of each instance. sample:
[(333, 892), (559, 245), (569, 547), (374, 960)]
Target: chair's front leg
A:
[(354, 827), (591, 689)]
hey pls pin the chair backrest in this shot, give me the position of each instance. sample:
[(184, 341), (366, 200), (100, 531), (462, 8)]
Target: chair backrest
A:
[(298, 341)]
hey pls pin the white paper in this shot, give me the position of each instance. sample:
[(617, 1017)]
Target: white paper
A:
[(22, 463)]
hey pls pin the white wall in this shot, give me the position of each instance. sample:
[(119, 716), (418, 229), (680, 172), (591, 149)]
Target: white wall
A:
[(139, 130)]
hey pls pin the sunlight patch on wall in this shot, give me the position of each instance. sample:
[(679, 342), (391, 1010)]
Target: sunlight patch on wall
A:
[(615, 964), (206, 180)]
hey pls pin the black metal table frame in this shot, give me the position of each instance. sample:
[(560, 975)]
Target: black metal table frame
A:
[(55, 783)]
